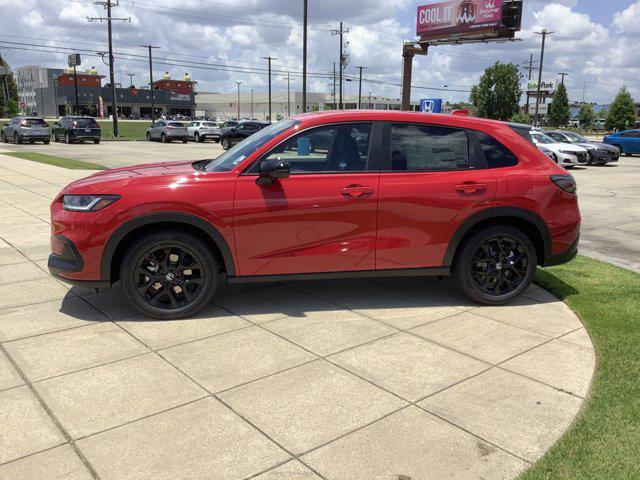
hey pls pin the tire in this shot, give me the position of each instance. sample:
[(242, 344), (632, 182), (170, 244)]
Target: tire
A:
[(508, 281), (226, 143), (148, 137), (196, 137), (4, 139), (47, 141), (619, 147), (158, 297), (185, 140), (55, 137), (163, 138), (16, 139), (67, 140), (96, 141)]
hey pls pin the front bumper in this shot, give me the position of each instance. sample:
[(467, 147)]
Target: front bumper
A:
[(69, 260), (564, 257)]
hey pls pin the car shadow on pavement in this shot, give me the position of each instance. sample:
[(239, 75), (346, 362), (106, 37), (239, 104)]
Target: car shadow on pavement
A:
[(378, 298)]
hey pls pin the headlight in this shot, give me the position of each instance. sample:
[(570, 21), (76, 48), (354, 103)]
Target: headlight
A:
[(87, 203), (567, 152)]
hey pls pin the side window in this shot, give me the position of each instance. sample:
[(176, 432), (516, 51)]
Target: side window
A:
[(335, 148), (558, 137), (428, 147), (496, 154)]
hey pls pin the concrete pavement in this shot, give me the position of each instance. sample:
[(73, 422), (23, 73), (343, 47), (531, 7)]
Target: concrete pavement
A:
[(397, 378)]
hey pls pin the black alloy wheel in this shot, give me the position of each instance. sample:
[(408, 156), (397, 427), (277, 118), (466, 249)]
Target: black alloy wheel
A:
[(226, 144), (496, 265), (16, 139), (169, 275)]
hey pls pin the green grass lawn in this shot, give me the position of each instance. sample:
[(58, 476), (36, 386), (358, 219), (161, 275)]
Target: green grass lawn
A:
[(128, 130), (56, 161), (605, 440)]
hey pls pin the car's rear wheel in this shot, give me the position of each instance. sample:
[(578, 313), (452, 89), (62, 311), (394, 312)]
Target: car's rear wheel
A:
[(46, 141), (67, 139), (169, 275), (4, 139), (196, 137), (163, 138), (16, 139), (148, 137), (496, 265), (226, 143), (96, 141)]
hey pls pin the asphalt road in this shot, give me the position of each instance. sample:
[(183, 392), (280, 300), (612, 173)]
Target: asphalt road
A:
[(609, 195)]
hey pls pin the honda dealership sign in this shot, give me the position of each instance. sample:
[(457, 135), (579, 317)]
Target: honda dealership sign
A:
[(458, 17), (431, 105)]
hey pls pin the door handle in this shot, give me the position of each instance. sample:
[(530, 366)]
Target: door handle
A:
[(356, 191), (471, 188)]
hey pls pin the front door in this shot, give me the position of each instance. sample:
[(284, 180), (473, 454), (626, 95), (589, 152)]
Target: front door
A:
[(320, 219), (431, 184)]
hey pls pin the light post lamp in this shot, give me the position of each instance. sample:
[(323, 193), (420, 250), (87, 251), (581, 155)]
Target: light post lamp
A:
[(238, 83)]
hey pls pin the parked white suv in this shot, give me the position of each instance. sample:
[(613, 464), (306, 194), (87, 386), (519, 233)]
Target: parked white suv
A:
[(199, 131)]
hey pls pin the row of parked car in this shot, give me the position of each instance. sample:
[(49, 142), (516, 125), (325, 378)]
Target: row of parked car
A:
[(569, 149), (69, 129)]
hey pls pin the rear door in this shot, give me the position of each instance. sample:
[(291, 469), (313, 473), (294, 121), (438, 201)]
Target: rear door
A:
[(320, 219), (632, 142), (434, 179)]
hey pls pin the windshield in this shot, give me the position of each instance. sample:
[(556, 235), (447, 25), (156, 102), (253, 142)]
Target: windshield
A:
[(176, 124), (85, 122), (541, 138), (574, 137), (228, 160), (209, 124)]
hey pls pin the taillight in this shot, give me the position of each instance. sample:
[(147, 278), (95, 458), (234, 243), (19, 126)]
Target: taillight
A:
[(565, 183)]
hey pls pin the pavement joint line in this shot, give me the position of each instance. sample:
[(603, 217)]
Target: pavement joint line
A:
[(46, 408), (528, 462), (17, 459), (42, 334), (27, 175)]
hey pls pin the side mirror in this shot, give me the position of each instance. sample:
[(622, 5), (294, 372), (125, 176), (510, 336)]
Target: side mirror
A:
[(273, 169)]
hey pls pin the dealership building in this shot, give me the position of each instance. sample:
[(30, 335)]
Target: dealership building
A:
[(284, 104), (51, 92)]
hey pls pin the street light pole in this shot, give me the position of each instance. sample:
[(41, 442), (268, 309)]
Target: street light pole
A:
[(288, 94), (270, 59), (252, 116), (584, 90), (238, 83), (153, 106)]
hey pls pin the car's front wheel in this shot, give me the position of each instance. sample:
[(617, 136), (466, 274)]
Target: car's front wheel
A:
[(496, 265), (169, 274), (4, 139), (16, 139), (226, 143)]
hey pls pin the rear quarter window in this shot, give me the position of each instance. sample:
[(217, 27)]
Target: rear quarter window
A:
[(496, 154)]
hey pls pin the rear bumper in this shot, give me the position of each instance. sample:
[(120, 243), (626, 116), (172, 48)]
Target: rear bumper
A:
[(564, 257)]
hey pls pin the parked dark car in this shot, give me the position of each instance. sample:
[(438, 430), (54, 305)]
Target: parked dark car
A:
[(628, 141), (599, 153), (228, 125), (26, 129), (76, 129), (238, 133)]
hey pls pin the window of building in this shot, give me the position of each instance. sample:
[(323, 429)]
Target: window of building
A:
[(428, 148)]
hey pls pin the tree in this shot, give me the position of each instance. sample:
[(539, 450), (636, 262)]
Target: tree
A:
[(498, 94), (622, 114), (522, 118), (8, 106), (91, 110), (559, 113), (586, 116)]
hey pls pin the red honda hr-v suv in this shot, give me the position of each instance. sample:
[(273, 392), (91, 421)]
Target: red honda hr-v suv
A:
[(324, 195)]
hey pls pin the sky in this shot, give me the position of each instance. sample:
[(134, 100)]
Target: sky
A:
[(221, 42)]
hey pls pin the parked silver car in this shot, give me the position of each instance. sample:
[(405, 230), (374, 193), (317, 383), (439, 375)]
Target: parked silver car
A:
[(26, 129), (167, 131), (199, 131)]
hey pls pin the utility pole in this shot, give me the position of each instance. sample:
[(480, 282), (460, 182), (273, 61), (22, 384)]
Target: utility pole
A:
[(584, 90), (370, 92), (563, 75), (341, 33), (409, 50), (270, 59), (114, 101), (131, 75), (304, 58), (252, 104), (544, 34), (335, 104), (360, 87), (153, 106), (238, 84), (528, 65)]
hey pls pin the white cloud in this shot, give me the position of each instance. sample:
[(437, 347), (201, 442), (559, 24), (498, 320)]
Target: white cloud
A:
[(33, 18)]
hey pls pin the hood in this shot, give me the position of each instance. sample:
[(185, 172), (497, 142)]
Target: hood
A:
[(604, 146), (568, 147), (113, 178)]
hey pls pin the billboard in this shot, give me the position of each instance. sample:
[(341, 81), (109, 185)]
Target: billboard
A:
[(431, 105), (458, 17), (545, 87)]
